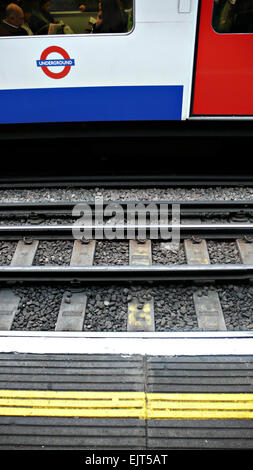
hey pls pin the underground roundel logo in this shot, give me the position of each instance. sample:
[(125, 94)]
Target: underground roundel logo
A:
[(64, 62)]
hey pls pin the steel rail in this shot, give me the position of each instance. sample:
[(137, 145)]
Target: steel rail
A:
[(76, 274), (125, 181), (119, 232), (187, 208)]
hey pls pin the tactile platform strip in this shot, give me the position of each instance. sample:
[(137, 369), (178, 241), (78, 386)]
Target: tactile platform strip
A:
[(72, 372), (200, 374), (126, 404)]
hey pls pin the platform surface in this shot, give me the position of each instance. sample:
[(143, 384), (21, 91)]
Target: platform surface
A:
[(105, 401)]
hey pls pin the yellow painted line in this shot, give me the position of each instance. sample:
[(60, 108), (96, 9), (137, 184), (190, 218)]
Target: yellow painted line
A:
[(196, 405), (200, 406), (126, 404), (196, 414), (81, 413), (201, 396), (72, 404)]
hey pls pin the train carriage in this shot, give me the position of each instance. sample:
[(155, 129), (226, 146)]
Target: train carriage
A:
[(172, 63), (175, 83)]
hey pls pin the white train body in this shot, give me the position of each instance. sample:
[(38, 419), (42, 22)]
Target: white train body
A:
[(145, 74), (175, 63)]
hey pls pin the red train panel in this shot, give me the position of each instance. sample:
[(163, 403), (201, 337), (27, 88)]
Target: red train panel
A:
[(224, 70)]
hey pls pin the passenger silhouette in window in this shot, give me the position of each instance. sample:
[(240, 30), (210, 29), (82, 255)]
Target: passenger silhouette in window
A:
[(111, 18), (233, 16), (13, 19)]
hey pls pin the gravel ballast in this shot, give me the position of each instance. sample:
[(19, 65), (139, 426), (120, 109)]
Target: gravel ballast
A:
[(154, 194), (107, 305), (107, 253), (53, 253), (223, 252), (117, 253), (7, 250)]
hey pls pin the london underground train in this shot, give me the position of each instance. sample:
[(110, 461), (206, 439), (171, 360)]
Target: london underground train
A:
[(175, 60)]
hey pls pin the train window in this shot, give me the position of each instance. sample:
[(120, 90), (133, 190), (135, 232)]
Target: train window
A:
[(43, 17), (233, 16)]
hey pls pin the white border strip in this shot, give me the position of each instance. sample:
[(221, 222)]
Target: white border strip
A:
[(151, 344)]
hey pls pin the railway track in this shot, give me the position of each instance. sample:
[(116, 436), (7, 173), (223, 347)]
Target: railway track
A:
[(174, 334), (22, 266)]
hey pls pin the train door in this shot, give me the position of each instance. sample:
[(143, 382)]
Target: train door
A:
[(224, 67)]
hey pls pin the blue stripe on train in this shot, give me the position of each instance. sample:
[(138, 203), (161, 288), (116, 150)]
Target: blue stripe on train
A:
[(113, 103)]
